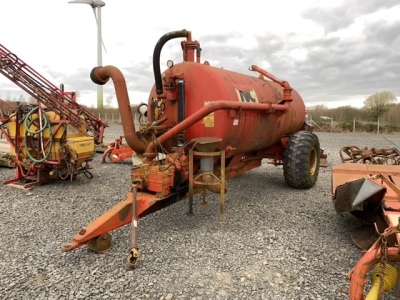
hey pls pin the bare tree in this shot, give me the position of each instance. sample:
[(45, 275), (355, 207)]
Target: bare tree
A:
[(109, 101), (379, 103), (318, 107), (32, 100)]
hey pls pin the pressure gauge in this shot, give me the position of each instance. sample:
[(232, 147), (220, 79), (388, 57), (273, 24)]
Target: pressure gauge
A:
[(142, 109), (170, 63)]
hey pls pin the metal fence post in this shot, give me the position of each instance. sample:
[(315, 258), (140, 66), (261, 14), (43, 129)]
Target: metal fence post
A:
[(377, 132)]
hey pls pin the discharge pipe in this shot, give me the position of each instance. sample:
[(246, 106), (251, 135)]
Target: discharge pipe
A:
[(101, 75), (206, 110), (157, 53), (287, 89)]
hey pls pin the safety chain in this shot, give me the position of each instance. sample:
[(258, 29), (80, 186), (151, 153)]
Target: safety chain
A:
[(383, 259), (382, 263)]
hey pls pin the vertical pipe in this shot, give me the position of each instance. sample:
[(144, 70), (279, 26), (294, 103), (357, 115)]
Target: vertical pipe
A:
[(181, 109), (181, 100)]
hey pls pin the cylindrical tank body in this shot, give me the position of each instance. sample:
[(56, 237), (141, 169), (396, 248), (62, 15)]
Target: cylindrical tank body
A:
[(245, 130)]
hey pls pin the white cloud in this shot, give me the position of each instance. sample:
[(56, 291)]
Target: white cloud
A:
[(58, 40)]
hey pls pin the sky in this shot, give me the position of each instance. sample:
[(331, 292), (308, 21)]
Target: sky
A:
[(332, 52)]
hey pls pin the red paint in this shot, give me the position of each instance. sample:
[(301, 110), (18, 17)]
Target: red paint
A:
[(252, 126)]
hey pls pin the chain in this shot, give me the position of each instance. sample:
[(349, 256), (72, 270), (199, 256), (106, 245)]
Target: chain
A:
[(384, 251), (383, 262)]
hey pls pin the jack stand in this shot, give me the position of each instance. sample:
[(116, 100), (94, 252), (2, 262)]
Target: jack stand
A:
[(133, 255), (205, 176)]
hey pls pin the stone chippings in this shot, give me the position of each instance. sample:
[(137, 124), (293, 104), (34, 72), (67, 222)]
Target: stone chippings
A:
[(275, 243)]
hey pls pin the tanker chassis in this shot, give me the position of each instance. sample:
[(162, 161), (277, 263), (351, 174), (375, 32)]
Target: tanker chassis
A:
[(204, 125)]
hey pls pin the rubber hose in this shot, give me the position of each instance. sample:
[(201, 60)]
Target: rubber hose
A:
[(46, 125)]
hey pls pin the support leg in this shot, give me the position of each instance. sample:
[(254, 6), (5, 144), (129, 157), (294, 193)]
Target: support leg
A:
[(191, 182), (222, 191), (204, 203), (133, 256)]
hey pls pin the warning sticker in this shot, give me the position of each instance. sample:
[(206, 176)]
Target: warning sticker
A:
[(209, 119)]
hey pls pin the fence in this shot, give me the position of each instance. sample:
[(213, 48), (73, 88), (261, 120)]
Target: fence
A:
[(328, 124)]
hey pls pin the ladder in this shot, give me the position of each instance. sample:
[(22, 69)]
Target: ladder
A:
[(55, 99)]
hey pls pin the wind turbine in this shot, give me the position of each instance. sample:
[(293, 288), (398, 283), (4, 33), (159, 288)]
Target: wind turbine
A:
[(96, 6)]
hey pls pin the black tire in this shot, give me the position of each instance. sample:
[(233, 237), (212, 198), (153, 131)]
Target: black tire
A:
[(301, 160)]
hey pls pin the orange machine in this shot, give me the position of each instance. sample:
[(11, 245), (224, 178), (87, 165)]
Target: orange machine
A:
[(52, 139), (205, 125), (371, 193), (117, 151)]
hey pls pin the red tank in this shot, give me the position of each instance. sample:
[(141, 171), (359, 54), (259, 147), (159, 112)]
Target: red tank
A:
[(245, 130), (192, 107)]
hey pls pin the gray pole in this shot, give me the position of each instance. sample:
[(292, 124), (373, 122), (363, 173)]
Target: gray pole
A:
[(96, 6), (377, 132), (354, 124), (99, 58)]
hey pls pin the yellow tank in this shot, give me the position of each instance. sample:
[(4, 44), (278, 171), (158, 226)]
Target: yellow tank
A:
[(59, 130), (81, 148)]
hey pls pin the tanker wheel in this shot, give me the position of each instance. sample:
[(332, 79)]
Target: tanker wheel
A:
[(301, 160)]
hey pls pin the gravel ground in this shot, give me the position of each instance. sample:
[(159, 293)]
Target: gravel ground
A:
[(275, 243)]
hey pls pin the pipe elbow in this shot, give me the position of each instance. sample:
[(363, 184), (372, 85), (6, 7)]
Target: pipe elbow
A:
[(99, 76), (286, 85)]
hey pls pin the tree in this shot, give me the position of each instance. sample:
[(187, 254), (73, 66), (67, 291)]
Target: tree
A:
[(109, 101), (379, 103), (32, 100), (318, 107)]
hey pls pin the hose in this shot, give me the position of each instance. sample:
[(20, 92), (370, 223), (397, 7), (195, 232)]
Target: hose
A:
[(157, 53), (27, 124)]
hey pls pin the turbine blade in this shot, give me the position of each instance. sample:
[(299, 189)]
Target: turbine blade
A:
[(90, 2), (103, 45), (94, 12), (95, 16)]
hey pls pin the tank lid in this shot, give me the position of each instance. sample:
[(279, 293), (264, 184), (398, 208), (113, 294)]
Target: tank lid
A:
[(206, 144)]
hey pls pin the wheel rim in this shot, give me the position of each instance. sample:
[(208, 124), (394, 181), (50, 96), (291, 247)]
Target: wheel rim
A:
[(313, 161)]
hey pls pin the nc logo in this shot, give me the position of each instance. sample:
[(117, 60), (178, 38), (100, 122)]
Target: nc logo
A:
[(247, 97)]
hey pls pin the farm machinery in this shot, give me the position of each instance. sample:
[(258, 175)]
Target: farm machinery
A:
[(205, 125), (367, 185), (5, 149), (117, 151), (53, 139)]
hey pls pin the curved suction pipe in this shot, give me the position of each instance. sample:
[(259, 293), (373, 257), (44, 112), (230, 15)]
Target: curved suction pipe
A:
[(101, 75), (157, 52)]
